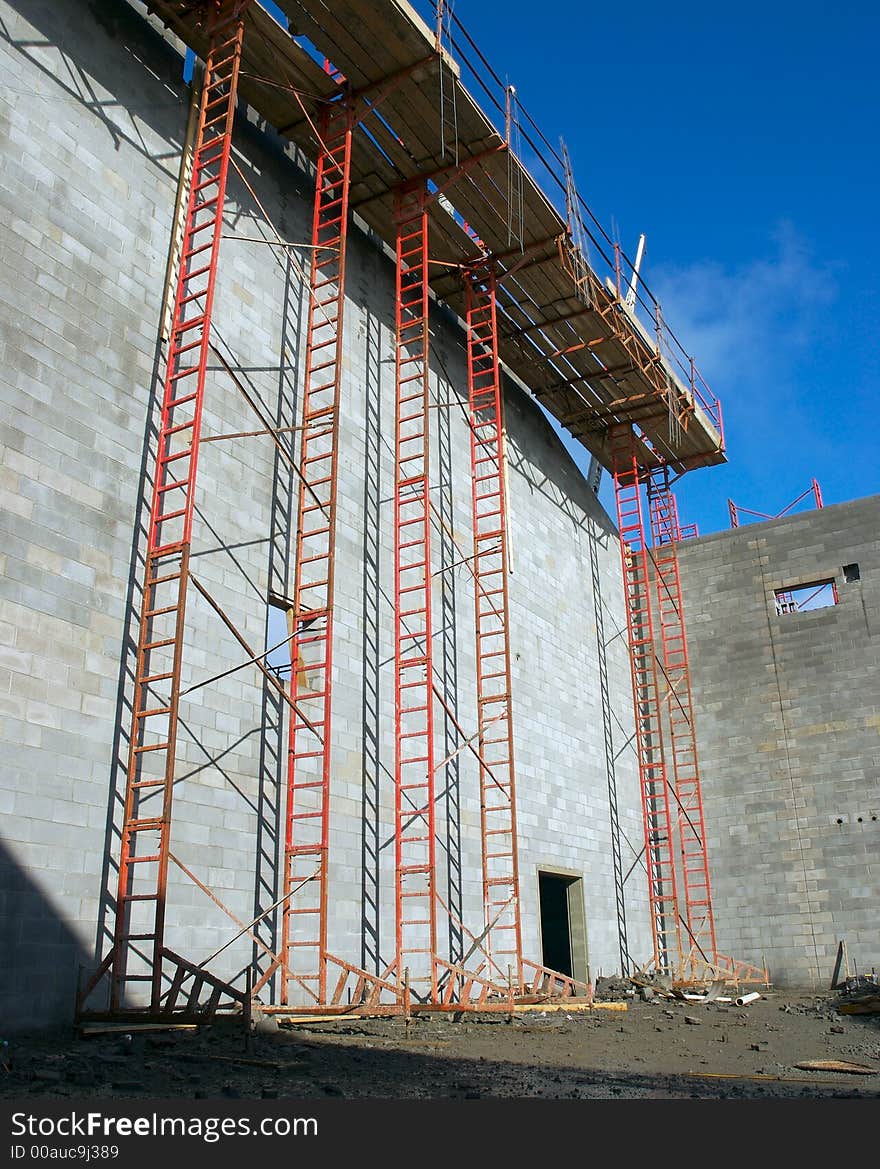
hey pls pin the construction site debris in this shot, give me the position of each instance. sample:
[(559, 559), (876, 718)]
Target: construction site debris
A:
[(89, 1030), (541, 1053), (836, 1065), (614, 987), (859, 995), (744, 999), (865, 1006)]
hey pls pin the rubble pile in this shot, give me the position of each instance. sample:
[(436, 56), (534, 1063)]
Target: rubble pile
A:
[(859, 995)]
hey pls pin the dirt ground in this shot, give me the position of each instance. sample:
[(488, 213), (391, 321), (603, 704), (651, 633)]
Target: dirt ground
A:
[(654, 1049)]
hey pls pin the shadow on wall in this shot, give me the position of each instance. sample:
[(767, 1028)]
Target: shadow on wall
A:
[(40, 955), (536, 452), (68, 50), (88, 50), (72, 38)]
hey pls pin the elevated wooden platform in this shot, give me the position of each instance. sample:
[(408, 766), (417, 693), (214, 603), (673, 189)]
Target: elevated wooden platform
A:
[(565, 332)]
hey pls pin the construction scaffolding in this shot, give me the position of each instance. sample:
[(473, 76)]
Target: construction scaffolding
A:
[(143, 867), (679, 885), (501, 904), (304, 921), (699, 920), (415, 858), (736, 511), (377, 101)]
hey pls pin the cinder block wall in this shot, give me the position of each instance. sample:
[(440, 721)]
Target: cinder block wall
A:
[(92, 121), (788, 715)]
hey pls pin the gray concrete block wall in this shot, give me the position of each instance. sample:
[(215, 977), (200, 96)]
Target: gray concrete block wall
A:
[(88, 193), (77, 360), (788, 713)]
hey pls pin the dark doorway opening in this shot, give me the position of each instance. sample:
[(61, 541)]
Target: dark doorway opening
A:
[(555, 921)]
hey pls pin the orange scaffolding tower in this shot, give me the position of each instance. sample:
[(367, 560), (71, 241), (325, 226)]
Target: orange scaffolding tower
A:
[(679, 885), (699, 919), (595, 368), (414, 790), (138, 954), (307, 821), (641, 631), (501, 973), (501, 904)]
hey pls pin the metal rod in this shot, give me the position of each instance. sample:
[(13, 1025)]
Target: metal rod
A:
[(213, 896), (254, 658), (284, 897)]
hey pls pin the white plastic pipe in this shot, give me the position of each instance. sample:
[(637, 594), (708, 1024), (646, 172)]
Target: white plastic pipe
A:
[(747, 998), (630, 298)]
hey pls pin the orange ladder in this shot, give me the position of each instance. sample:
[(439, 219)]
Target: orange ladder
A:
[(138, 940), (414, 813), (666, 534), (307, 826), (503, 940), (659, 847)]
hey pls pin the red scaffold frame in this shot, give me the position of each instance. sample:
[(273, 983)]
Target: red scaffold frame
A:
[(307, 816), (143, 875), (414, 788), (699, 917), (501, 903), (653, 778)]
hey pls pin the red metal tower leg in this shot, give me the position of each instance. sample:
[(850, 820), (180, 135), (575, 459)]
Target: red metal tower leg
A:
[(304, 918), (146, 827), (495, 716), (646, 701), (665, 534), (415, 861)]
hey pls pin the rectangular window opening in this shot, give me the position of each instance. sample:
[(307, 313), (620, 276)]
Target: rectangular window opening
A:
[(819, 594), (278, 632), (851, 573)]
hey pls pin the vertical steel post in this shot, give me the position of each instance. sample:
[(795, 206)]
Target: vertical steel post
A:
[(307, 823), (494, 701), (414, 830), (146, 826)]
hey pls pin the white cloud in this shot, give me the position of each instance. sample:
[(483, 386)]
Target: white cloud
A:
[(759, 331), (748, 324)]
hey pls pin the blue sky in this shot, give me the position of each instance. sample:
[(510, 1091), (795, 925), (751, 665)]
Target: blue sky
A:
[(744, 142)]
